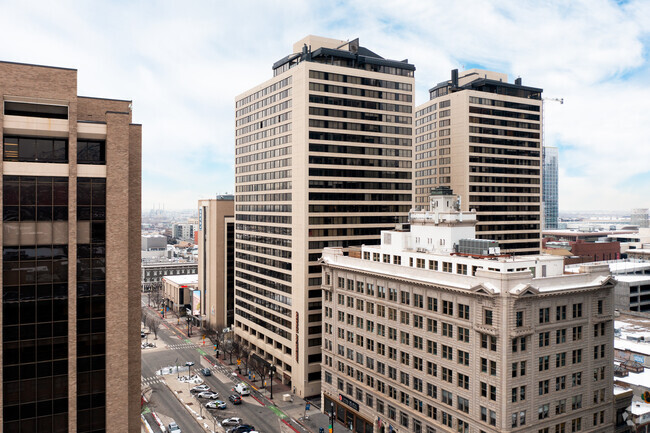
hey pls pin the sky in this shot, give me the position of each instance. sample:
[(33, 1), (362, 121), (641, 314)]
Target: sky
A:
[(182, 63)]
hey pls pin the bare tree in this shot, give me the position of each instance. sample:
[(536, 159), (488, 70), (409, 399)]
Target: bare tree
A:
[(154, 325), (244, 354), (144, 317), (218, 341)]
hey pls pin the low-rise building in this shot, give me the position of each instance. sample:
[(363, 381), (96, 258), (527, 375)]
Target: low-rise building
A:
[(181, 292), (154, 271), (433, 331)]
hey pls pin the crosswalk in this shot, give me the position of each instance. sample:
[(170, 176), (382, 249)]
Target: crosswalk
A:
[(153, 379), (182, 346)]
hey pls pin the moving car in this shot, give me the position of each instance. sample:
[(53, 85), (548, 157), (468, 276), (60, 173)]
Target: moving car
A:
[(208, 394), (235, 399), (200, 388), (174, 428), (206, 372), (231, 421), (243, 389), (217, 404), (244, 428)]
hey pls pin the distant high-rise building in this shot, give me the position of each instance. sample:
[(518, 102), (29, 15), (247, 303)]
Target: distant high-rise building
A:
[(216, 242), (323, 159), (481, 136), (550, 186), (640, 218), (70, 256)]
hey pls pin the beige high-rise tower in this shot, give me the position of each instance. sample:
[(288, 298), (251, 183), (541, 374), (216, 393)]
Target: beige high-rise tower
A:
[(481, 136), (323, 158), (216, 231), (70, 256)]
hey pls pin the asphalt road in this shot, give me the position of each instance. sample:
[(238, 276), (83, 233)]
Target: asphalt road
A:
[(165, 403)]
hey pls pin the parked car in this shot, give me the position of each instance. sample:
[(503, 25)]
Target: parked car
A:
[(244, 428), (231, 421), (208, 394), (206, 372), (242, 389), (235, 399), (142, 334), (217, 404), (189, 363), (200, 388), (174, 428)]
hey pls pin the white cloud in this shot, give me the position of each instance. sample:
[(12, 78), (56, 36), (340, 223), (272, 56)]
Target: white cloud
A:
[(183, 64)]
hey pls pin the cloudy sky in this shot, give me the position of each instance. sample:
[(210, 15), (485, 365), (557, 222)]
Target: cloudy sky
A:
[(183, 62)]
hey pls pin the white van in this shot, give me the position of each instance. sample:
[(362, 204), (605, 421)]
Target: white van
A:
[(242, 389)]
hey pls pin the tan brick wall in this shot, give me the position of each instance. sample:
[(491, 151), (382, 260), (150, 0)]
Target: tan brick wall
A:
[(31, 82), (96, 108)]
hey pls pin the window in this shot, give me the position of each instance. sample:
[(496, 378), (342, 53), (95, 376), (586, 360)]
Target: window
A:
[(576, 402), (447, 330), (447, 397), (36, 149), (463, 334), (542, 412), (487, 316), (577, 310), (463, 311), (543, 387), (448, 308), (462, 404), (463, 381), (560, 359), (560, 336), (600, 307), (576, 424), (544, 339), (576, 379), (560, 312), (577, 333), (543, 363), (577, 356), (560, 407), (91, 152), (544, 315), (463, 357), (560, 383), (447, 352), (519, 319)]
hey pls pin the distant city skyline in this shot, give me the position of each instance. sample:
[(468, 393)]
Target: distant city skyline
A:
[(183, 65)]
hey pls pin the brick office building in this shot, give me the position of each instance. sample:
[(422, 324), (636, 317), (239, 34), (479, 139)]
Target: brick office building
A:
[(70, 256), (423, 337)]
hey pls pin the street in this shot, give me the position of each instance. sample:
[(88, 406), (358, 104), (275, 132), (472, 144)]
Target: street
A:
[(174, 348)]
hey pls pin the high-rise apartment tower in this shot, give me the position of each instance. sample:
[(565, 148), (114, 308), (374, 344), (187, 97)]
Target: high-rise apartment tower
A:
[(481, 136), (550, 186), (323, 159), (70, 256)]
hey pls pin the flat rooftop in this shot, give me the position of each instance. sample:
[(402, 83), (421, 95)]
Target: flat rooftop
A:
[(183, 279)]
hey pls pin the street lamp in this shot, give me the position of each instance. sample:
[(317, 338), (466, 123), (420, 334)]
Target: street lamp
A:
[(271, 373), (189, 329)]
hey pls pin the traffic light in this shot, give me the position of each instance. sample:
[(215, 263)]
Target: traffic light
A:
[(646, 396)]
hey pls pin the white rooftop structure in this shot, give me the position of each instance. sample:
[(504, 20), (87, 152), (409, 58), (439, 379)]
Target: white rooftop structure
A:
[(182, 280), (429, 245)]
